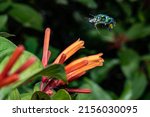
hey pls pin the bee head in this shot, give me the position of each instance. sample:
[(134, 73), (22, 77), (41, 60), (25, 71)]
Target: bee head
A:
[(92, 20)]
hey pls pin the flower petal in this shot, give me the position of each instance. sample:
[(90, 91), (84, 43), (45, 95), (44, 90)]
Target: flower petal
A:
[(46, 53), (14, 57), (69, 51)]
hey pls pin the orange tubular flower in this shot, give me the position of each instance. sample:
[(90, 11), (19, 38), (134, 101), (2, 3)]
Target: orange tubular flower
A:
[(81, 65), (46, 53), (69, 51), (5, 77), (74, 70), (79, 90)]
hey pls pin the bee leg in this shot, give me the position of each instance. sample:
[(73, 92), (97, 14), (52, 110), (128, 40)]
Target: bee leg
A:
[(96, 28), (110, 27)]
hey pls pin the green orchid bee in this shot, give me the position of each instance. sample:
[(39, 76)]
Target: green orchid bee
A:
[(103, 20)]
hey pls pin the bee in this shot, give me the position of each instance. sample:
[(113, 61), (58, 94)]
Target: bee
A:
[(103, 20)]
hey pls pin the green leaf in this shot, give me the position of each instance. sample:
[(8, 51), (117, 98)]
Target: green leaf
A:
[(145, 31), (148, 69), (62, 2), (26, 96), (25, 75), (134, 87), (5, 34), (6, 49), (135, 79), (36, 87), (97, 92), (141, 16), (138, 31), (53, 71), (61, 95), (38, 95), (118, 29), (88, 3), (134, 32), (100, 73), (5, 44), (126, 8), (139, 84), (146, 96), (26, 15), (129, 61), (78, 17), (3, 20), (107, 36), (103, 34), (31, 43), (127, 91), (55, 52), (4, 5), (146, 60), (145, 57), (14, 95)]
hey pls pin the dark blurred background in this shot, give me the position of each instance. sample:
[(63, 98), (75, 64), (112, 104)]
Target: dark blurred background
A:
[(126, 49)]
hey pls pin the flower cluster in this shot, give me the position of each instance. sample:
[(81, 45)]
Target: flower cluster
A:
[(74, 70), (6, 77)]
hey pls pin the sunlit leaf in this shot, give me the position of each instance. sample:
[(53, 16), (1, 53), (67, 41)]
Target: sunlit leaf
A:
[(14, 95), (52, 71), (36, 87), (6, 49), (26, 96)]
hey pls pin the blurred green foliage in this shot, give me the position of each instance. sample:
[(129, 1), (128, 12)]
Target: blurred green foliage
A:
[(126, 49)]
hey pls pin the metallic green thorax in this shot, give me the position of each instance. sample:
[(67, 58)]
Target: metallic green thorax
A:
[(105, 20)]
